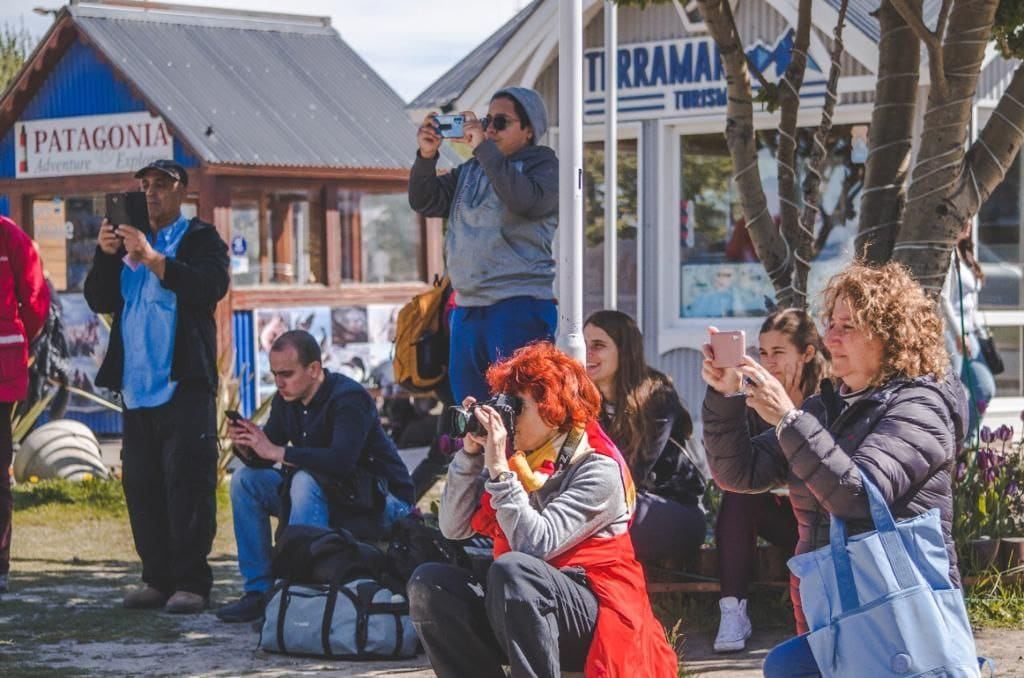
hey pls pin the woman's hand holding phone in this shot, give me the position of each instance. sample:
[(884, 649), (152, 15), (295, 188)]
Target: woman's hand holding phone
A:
[(720, 360)]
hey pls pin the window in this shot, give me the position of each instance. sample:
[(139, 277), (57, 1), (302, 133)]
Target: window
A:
[(999, 243), (1009, 344), (66, 228), (381, 238), (720, 274), (276, 238), (593, 215)]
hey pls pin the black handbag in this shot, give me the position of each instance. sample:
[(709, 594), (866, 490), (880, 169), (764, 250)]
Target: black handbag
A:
[(990, 354)]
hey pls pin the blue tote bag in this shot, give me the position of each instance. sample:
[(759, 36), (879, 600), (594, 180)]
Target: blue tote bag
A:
[(881, 603)]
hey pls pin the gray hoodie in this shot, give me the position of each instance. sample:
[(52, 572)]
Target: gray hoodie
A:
[(502, 213)]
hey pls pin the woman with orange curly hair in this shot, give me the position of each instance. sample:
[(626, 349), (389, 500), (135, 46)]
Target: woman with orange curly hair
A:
[(565, 591), (892, 412)]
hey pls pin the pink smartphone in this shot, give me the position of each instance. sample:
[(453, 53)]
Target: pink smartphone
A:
[(729, 348)]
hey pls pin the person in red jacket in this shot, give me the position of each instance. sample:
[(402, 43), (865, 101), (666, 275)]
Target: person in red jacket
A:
[(24, 303), (565, 591)]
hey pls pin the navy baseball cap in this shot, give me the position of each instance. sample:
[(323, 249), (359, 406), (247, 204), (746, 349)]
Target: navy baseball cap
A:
[(168, 167)]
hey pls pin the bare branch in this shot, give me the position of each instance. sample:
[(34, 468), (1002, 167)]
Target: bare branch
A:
[(765, 85), (940, 25), (812, 181), (992, 153), (789, 102), (739, 136), (932, 42)]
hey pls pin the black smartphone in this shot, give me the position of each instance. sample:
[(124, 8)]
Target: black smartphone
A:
[(233, 415), (128, 208)]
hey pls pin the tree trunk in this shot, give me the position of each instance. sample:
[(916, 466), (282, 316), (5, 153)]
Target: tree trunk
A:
[(789, 106), (933, 218), (739, 136), (991, 155), (890, 137)]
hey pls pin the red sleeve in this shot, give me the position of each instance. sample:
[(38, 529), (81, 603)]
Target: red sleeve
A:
[(29, 284)]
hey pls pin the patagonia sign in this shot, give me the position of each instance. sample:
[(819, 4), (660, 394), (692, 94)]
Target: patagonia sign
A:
[(90, 144), (681, 77)]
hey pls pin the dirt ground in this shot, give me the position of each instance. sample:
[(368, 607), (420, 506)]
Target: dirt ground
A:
[(63, 617)]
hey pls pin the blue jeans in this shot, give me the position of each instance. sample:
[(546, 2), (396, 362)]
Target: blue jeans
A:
[(255, 496), (791, 659), (981, 386), (481, 335)]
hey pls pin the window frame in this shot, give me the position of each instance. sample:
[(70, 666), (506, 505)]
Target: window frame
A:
[(675, 332)]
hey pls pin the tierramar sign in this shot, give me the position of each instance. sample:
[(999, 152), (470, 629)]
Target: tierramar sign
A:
[(91, 144), (680, 77)]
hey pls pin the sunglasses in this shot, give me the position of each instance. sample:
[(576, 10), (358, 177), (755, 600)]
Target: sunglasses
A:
[(499, 121)]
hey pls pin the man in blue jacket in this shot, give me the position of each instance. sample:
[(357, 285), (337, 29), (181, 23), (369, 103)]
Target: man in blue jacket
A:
[(322, 459), (502, 210), (162, 288)]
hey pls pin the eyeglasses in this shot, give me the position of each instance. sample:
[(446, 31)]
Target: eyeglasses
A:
[(500, 121)]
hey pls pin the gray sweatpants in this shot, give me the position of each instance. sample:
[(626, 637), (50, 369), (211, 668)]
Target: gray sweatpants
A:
[(531, 616)]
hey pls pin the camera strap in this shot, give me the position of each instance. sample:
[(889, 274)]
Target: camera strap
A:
[(565, 454)]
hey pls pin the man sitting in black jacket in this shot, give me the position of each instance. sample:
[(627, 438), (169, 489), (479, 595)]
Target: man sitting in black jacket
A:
[(322, 459)]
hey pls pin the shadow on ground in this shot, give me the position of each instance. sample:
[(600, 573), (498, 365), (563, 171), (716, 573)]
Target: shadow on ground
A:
[(65, 618)]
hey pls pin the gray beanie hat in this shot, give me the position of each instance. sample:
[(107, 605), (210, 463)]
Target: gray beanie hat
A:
[(534, 105)]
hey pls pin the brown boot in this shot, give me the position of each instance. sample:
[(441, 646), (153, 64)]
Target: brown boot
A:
[(185, 602), (145, 599)]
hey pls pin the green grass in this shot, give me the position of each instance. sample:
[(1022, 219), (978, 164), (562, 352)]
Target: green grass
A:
[(994, 604), (102, 497), (50, 500)]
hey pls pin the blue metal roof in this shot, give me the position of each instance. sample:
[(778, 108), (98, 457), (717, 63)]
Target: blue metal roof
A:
[(262, 90), (452, 84)]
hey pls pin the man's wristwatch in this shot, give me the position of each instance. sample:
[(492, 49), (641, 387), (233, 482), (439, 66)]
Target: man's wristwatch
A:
[(503, 477)]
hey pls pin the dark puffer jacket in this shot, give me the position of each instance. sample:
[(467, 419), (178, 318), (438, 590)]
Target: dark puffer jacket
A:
[(903, 434)]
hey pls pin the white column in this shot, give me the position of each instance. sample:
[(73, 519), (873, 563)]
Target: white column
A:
[(611, 156), (570, 178)]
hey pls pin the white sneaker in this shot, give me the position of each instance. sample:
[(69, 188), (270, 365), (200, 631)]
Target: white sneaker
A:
[(734, 627)]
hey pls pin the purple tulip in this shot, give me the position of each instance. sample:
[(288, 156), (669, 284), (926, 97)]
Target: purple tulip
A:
[(1004, 433), (961, 471), (1012, 489), (986, 434), (984, 458), (989, 476)]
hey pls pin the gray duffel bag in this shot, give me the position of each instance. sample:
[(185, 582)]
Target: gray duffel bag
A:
[(359, 619)]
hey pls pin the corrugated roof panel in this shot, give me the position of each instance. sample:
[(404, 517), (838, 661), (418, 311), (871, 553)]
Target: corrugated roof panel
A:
[(453, 83), (81, 83), (257, 93), (860, 14)]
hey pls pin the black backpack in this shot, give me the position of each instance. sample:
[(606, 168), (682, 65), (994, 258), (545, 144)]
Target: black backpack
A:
[(413, 543), (305, 554)]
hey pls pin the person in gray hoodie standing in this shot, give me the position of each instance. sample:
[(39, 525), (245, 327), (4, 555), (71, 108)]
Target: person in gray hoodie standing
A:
[(502, 210)]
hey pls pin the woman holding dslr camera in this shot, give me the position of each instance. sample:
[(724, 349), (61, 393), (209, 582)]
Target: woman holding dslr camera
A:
[(558, 511)]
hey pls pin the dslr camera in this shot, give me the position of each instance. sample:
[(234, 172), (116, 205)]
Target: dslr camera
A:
[(462, 420)]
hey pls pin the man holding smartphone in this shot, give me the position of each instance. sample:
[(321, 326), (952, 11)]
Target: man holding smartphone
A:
[(162, 289), (334, 465), (502, 210)]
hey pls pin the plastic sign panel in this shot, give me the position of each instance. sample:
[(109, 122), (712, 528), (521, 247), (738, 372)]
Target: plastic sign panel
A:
[(91, 144), (681, 77)]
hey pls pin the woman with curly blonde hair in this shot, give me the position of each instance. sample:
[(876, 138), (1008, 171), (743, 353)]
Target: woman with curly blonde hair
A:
[(892, 411)]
